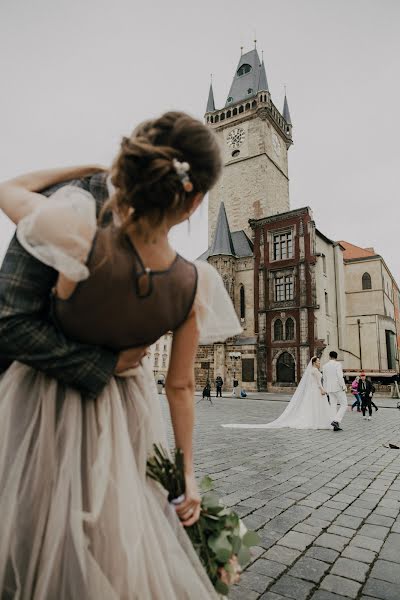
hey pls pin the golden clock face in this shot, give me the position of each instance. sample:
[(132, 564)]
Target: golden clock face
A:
[(276, 144), (235, 137)]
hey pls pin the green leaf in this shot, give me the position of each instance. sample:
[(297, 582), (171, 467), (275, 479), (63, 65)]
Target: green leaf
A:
[(244, 556), (210, 500), (206, 484), (236, 544), (251, 538), (221, 588)]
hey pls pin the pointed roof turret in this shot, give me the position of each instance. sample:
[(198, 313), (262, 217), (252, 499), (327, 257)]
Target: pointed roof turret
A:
[(210, 101), (222, 243), (246, 78), (286, 113), (263, 82)]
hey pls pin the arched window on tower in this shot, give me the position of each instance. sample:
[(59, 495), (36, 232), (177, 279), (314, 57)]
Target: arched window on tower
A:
[(366, 282), (244, 69), (289, 326), (242, 304), (278, 330)]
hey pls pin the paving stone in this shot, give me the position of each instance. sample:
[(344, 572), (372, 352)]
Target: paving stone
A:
[(375, 519), (324, 595), (388, 571), (255, 581), (327, 514), (374, 531), (381, 589), (324, 554), (282, 554), (268, 538), (362, 541), (350, 569), (304, 528), (241, 593), (343, 531), (268, 567), (360, 554), (386, 511), (349, 521), (329, 540), (296, 540), (395, 528), (355, 511), (272, 596), (309, 569), (292, 587), (341, 586)]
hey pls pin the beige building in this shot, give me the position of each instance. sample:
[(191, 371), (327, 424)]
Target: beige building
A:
[(159, 355), (372, 320)]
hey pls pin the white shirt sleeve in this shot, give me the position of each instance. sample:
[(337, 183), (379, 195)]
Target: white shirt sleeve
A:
[(215, 314), (340, 375), (60, 231)]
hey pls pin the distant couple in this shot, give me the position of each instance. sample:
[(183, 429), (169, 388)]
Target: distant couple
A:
[(314, 403)]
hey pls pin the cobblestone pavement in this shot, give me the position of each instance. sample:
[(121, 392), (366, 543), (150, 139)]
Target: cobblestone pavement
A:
[(326, 505)]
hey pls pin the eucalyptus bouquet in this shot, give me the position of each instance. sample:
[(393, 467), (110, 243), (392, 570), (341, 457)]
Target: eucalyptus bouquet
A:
[(219, 537)]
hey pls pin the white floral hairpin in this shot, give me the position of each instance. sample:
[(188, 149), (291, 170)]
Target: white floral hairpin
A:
[(182, 169)]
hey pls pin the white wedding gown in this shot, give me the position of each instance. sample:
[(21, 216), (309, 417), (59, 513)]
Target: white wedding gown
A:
[(79, 518), (307, 409)]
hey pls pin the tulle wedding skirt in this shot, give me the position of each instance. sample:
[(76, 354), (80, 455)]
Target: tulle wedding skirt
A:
[(79, 520)]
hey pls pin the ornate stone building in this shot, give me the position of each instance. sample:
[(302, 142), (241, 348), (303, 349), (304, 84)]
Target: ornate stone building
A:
[(285, 278)]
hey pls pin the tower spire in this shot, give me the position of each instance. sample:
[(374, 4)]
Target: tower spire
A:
[(263, 81), (222, 242), (210, 101), (286, 113)]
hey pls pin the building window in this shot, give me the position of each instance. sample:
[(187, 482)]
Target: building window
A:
[(366, 282), (284, 289), (247, 369), (278, 330), (157, 347), (243, 70), (164, 361), (324, 264), (326, 303), (289, 326), (283, 245), (242, 303), (165, 347), (328, 339), (156, 360), (285, 368)]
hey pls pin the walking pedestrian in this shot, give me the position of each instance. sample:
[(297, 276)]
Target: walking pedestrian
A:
[(357, 397), (218, 384), (365, 388)]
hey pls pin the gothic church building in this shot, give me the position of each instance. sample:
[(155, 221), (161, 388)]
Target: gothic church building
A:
[(282, 274)]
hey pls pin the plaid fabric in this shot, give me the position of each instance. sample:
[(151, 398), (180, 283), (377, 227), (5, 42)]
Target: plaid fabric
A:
[(28, 334)]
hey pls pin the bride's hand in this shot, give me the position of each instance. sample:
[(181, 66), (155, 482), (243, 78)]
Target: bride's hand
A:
[(189, 510)]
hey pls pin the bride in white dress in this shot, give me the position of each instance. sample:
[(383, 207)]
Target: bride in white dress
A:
[(309, 407)]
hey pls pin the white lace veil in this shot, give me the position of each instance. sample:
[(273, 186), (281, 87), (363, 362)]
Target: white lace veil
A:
[(295, 411)]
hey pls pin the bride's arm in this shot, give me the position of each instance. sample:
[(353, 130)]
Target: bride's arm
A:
[(180, 387), (19, 196), (318, 376)]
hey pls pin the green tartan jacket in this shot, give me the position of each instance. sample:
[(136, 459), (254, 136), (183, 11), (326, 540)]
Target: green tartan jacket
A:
[(27, 332)]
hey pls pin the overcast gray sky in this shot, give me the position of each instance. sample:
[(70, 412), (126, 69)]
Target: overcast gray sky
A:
[(78, 74)]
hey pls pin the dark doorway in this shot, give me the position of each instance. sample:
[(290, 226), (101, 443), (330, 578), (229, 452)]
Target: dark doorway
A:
[(285, 368)]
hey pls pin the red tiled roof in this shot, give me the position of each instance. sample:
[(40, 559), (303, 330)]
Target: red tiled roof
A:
[(351, 251)]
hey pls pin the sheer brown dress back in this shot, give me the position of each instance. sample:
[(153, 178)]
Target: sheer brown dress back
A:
[(124, 304)]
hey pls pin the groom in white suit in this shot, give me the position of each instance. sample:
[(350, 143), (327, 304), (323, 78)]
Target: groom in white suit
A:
[(335, 387)]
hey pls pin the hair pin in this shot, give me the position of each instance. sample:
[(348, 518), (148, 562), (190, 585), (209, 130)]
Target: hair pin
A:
[(182, 169)]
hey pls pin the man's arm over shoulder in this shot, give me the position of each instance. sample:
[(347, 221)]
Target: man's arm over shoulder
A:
[(28, 334)]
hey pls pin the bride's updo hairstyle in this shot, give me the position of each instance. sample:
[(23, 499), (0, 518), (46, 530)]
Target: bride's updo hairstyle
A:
[(314, 360), (162, 165)]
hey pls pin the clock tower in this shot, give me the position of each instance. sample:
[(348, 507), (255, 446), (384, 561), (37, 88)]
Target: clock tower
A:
[(254, 138)]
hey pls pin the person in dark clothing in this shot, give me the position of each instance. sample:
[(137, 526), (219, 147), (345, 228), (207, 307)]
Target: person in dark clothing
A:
[(366, 390), (207, 392), (218, 384)]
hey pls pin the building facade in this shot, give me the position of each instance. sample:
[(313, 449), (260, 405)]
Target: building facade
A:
[(372, 313), (159, 356)]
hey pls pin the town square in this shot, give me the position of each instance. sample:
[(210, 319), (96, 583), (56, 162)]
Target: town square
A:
[(199, 300)]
